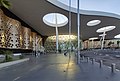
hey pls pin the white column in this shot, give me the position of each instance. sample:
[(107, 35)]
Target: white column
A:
[(69, 27), (103, 40), (78, 28), (56, 33)]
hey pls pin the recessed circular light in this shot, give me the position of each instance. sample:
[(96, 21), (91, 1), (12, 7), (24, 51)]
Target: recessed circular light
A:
[(105, 29), (117, 36), (93, 22)]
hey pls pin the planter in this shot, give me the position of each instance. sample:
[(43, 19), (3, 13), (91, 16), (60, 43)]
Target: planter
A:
[(13, 62)]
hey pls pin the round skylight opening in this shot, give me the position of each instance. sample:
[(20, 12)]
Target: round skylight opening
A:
[(117, 36), (93, 22), (93, 38), (55, 19), (105, 29)]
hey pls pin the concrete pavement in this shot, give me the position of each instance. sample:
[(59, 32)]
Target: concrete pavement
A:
[(57, 68)]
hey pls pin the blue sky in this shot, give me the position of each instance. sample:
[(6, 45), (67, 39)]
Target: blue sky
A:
[(111, 6)]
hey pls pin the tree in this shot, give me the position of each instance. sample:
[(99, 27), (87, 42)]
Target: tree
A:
[(8, 55), (109, 43), (118, 43), (5, 3)]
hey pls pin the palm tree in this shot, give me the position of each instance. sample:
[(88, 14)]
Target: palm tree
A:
[(5, 3)]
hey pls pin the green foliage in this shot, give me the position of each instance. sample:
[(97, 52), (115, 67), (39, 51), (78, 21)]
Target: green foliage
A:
[(8, 58), (8, 52), (21, 57), (5, 3), (118, 42), (8, 55), (110, 43), (1, 51)]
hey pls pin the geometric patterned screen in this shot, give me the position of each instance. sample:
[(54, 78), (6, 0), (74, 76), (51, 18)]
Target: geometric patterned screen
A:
[(13, 34), (113, 43), (26, 38), (34, 35), (38, 42), (2, 29), (63, 44)]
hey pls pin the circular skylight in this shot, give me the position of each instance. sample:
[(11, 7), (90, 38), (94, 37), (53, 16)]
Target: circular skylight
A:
[(105, 29), (55, 19), (117, 36), (93, 38), (93, 22)]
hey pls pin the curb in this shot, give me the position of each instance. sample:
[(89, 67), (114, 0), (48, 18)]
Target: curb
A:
[(13, 62)]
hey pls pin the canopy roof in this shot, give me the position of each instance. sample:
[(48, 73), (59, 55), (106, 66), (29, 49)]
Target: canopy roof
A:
[(33, 11)]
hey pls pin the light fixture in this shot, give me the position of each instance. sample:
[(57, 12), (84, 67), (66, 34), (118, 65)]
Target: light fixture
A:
[(93, 22), (63, 37)]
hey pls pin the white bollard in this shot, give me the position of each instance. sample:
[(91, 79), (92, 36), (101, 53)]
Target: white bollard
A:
[(93, 60), (101, 63), (113, 68), (88, 59), (83, 57)]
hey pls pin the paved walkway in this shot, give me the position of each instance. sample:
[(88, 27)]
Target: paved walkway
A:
[(107, 55), (57, 68)]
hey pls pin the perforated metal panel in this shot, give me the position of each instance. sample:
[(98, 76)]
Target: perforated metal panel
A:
[(12, 33), (26, 38), (50, 44), (2, 29)]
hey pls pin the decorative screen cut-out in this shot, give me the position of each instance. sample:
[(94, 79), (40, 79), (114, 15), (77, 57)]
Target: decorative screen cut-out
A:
[(13, 29), (26, 38), (15, 36), (2, 29), (34, 40), (50, 43), (38, 43)]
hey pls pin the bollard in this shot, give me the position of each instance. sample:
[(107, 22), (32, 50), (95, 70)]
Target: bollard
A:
[(83, 57), (101, 63), (78, 58), (113, 68), (88, 59), (93, 60)]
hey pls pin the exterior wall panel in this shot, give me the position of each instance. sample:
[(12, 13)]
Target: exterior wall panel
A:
[(26, 38), (2, 29), (13, 34)]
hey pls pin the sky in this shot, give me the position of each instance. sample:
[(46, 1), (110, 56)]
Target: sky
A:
[(110, 6)]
